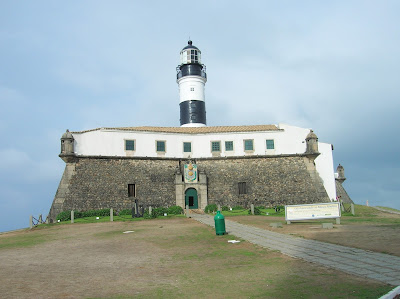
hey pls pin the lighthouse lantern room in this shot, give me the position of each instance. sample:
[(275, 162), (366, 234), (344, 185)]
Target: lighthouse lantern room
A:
[(191, 79)]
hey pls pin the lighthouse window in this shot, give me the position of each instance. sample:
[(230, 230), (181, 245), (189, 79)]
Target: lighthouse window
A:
[(215, 146), (129, 145), (228, 146), (187, 147), (248, 145), (270, 144), (191, 88), (160, 146)]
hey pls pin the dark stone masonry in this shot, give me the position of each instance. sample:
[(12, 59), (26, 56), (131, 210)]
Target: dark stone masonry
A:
[(102, 182)]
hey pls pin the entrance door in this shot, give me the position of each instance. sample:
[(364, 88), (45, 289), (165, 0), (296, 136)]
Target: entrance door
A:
[(191, 198)]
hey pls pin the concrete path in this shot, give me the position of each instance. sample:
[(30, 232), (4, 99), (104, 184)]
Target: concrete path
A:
[(387, 211), (373, 265)]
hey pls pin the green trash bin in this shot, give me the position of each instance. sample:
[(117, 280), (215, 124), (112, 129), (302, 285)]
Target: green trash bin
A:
[(219, 224)]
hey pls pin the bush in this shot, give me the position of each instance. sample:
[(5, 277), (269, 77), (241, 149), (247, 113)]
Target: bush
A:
[(64, 216), (175, 210), (210, 208), (125, 212), (237, 208), (147, 215), (159, 211), (225, 208), (97, 213), (257, 211)]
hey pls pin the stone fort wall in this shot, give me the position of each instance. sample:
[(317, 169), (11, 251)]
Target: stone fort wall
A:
[(102, 182)]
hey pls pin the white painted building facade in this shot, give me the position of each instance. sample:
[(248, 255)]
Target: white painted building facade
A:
[(205, 142)]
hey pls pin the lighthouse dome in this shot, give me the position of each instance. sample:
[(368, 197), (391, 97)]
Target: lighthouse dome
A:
[(190, 54)]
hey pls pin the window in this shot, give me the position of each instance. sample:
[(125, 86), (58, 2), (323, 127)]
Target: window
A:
[(228, 146), (187, 147), (215, 146), (160, 146), (242, 188), (129, 145), (191, 88), (131, 190), (270, 144), (248, 145)]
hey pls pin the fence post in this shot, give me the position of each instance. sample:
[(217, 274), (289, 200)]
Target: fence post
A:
[(341, 206), (111, 215), (352, 209), (187, 211), (150, 210), (252, 209), (219, 207), (30, 221), (72, 216), (40, 221)]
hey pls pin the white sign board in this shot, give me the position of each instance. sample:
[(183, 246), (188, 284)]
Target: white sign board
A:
[(312, 211)]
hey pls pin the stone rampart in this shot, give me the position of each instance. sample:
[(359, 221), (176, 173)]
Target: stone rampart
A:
[(102, 182)]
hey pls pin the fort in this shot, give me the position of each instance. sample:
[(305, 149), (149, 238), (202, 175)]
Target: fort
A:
[(195, 165)]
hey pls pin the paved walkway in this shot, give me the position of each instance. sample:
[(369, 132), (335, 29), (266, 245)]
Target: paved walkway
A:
[(387, 211), (373, 265)]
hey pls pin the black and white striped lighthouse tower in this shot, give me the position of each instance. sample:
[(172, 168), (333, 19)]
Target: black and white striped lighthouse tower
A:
[(191, 78)]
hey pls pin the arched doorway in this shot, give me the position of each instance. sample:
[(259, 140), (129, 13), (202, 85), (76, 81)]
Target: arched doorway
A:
[(191, 198)]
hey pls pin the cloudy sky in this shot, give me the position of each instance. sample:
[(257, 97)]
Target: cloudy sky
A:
[(333, 66)]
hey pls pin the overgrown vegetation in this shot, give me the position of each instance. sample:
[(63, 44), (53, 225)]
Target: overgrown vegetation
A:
[(66, 215), (257, 211), (211, 208), (156, 212)]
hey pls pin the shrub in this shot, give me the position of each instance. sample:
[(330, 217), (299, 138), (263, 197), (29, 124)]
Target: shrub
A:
[(147, 215), (125, 212), (64, 216), (175, 210), (225, 208), (159, 211), (237, 208), (257, 211), (210, 208)]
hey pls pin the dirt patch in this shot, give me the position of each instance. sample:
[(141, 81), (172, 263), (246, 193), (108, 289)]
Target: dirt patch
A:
[(160, 259)]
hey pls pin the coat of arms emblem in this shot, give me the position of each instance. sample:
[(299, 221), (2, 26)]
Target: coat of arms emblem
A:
[(190, 173)]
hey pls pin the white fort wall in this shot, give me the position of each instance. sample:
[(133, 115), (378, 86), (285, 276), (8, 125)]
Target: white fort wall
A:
[(324, 166), (287, 140), (111, 142)]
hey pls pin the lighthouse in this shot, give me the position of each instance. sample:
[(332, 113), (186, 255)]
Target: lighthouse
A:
[(191, 78)]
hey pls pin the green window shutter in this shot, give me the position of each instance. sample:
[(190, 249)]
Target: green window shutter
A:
[(215, 146), (160, 146), (248, 145), (187, 147), (270, 144), (130, 145), (228, 145)]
